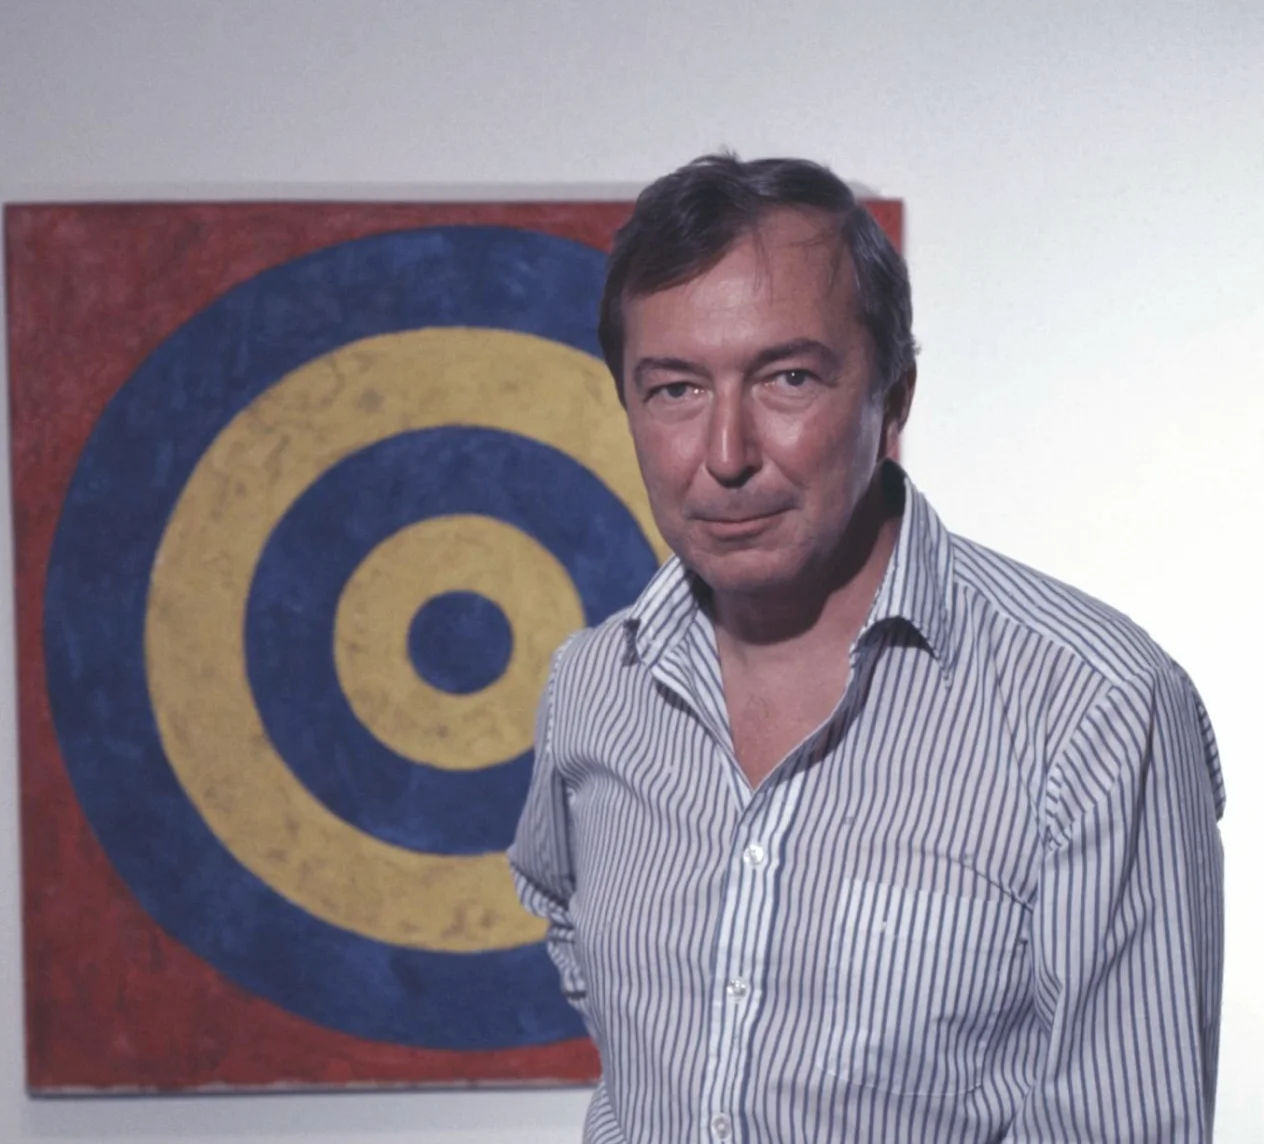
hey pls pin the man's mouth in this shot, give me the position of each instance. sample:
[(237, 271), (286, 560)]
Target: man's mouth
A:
[(732, 526)]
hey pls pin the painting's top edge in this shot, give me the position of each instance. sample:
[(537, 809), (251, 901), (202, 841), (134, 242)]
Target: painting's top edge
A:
[(350, 193), (324, 192), (86, 203)]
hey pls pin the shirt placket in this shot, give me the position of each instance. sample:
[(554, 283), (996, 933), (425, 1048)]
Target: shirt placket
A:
[(741, 953), (749, 912), (691, 670), (747, 915)]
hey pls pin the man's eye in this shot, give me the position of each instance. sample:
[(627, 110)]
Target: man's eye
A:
[(674, 389), (795, 378)]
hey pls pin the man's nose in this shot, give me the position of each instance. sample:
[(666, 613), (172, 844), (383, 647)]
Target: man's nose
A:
[(732, 442)]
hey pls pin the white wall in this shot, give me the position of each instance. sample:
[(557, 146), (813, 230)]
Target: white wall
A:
[(1084, 185)]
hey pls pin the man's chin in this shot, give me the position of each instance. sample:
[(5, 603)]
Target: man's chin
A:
[(748, 572)]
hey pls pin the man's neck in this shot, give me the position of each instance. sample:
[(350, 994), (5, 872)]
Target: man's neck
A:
[(783, 656)]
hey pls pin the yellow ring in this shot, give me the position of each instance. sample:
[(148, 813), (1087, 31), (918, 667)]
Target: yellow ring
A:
[(195, 626), (445, 554)]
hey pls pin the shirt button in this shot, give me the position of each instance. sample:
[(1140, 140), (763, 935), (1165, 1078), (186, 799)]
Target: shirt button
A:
[(737, 988), (754, 855), (721, 1126)]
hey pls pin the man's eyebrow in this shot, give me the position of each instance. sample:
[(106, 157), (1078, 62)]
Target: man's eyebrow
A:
[(648, 365), (798, 347)]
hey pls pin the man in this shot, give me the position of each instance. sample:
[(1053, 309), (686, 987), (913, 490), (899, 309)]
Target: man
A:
[(850, 829)]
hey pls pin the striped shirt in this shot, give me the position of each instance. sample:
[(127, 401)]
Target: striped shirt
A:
[(981, 902)]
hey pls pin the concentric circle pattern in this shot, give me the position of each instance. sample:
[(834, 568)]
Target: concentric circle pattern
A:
[(302, 598), (438, 562)]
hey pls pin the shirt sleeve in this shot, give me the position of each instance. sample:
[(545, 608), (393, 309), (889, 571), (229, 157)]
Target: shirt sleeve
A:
[(540, 856), (1127, 932)]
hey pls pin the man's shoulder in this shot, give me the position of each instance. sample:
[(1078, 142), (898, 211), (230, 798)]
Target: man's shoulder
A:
[(592, 654), (1050, 611)]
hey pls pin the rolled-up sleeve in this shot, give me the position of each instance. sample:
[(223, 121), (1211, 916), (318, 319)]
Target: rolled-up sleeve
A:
[(1127, 933), (540, 856)]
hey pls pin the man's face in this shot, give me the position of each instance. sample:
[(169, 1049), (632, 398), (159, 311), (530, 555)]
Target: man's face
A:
[(752, 402)]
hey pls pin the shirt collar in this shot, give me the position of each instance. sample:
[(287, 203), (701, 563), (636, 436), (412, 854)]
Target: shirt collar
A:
[(916, 587), (662, 613)]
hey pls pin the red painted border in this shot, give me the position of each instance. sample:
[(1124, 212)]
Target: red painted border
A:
[(112, 1003)]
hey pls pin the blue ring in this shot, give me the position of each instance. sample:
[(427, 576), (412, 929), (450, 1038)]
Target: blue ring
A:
[(128, 479), (312, 552)]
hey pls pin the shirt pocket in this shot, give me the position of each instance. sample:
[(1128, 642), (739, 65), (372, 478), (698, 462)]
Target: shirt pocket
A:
[(922, 982)]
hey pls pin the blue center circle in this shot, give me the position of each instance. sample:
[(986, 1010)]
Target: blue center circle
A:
[(460, 642)]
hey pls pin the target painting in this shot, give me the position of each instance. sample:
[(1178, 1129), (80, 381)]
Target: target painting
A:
[(305, 497)]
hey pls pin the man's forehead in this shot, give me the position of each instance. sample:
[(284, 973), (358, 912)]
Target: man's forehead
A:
[(789, 251), (801, 241), (791, 226)]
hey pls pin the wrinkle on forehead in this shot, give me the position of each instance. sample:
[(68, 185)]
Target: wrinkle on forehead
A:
[(826, 232)]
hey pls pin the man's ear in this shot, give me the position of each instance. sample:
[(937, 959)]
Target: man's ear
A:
[(897, 402)]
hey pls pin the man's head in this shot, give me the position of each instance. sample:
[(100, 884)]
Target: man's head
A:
[(763, 390), (684, 222)]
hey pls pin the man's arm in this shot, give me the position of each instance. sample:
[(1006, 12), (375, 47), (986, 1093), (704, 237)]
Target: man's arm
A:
[(1128, 927), (540, 856)]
